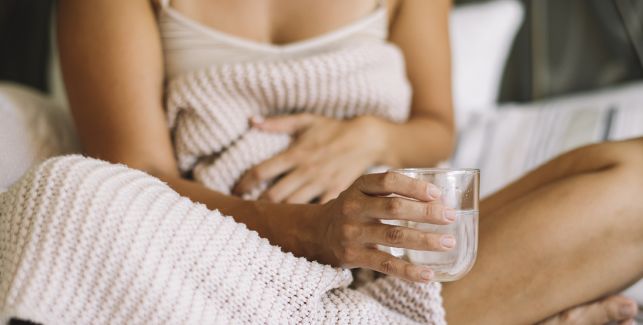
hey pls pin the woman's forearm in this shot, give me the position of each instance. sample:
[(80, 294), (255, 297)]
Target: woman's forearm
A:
[(422, 141), (284, 225)]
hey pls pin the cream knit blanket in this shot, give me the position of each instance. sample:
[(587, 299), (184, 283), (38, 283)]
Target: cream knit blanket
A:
[(208, 110), (87, 242)]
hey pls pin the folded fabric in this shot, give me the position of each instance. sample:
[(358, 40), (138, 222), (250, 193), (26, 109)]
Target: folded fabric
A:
[(208, 110), (87, 242)]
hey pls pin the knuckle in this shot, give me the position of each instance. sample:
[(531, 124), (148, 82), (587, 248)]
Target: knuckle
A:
[(349, 255), (394, 235), (257, 173), (350, 231), (394, 206), (389, 180), (388, 266), (431, 241), (428, 210), (419, 187), (343, 197), (361, 181), (349, 207)]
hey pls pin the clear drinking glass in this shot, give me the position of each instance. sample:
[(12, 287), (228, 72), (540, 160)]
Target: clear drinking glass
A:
[(460, 191)]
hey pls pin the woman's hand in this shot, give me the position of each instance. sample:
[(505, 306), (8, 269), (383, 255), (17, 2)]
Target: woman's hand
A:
[(346, 230), (326, 156)]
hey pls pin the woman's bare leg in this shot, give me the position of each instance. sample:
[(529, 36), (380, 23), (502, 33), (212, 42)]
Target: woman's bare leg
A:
[(565, 234)]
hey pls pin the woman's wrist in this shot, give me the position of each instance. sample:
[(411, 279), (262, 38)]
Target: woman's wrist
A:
[(420, 141), (293, 227), (377, 131)]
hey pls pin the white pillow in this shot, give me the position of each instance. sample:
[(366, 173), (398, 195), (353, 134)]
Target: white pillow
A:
[(32, 129), (481, 37)]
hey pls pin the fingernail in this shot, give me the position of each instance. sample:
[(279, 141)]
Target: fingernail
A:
[(448, 214), (447, 241), (257, 119), (426, 275), (433, 191), (627, 311)]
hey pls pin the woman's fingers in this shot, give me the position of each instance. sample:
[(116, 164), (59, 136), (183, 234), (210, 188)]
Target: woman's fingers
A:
[(342, 179), (306, 193), (286, 185), (329, 195), (268, 169), (379, 261), (398, 208), (395, 183), (405, 237), (284, 124)]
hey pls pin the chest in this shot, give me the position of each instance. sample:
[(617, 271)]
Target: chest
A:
[(276, 21)]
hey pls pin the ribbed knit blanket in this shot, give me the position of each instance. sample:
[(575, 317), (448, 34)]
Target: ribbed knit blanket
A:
[(87, 242), (208, 110)]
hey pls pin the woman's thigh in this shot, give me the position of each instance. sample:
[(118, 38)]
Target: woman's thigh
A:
[(569, 232)]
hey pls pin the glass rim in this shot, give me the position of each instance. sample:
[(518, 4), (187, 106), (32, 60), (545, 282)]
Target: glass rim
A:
[(422, 170)]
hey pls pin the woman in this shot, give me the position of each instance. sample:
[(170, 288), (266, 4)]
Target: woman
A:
[(113, 55)]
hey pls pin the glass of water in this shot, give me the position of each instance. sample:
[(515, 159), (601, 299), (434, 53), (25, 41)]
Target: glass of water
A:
[(460, 191)]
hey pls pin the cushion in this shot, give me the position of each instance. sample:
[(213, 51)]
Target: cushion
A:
[(31, 130), (481, 37)]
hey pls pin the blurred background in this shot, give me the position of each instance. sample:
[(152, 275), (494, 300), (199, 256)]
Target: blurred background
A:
[(563, 46)]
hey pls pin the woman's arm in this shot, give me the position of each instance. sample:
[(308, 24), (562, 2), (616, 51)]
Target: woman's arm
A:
[(421, 29), (113, 70), (112, 65)]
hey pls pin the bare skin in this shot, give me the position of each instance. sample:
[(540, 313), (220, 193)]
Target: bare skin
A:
[(112, 64)]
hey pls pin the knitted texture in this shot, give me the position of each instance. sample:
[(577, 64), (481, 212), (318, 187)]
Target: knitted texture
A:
[(87, 242), (208, 110)]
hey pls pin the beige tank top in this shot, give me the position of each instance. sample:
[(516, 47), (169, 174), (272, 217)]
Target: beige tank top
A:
[(189, 45)]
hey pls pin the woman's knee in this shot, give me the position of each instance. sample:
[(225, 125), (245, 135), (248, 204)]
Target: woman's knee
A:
[(626, 154), (627, 166), (632, 155), (623, 181)]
